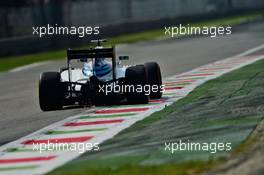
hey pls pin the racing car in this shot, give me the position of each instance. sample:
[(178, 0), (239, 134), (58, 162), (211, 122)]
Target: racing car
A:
[(95, 71)]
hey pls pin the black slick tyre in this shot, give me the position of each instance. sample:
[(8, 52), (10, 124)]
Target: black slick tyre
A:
[(154, 79), (50, 91), (136, 77)]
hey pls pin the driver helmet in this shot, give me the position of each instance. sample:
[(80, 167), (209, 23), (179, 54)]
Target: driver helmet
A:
[(102, 67)]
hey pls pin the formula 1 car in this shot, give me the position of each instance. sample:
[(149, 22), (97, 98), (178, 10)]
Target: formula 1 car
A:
[(98, 81)]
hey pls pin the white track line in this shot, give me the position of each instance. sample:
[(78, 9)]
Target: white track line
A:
[(29, 66), (255, 49)]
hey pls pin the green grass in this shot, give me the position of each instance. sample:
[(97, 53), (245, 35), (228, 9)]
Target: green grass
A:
[(186, 168), (8, 63), (232, 121)]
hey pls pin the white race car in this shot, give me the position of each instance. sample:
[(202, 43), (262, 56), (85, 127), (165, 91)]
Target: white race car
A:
[(98, 81)]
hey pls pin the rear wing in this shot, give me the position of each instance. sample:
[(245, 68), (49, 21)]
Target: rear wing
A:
[(93, 53)]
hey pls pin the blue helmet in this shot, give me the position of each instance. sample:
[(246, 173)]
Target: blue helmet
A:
[(102, 67)]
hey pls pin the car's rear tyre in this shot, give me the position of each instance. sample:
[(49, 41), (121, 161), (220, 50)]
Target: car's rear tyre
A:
[(136, 76), (154, 79), (50, 91)]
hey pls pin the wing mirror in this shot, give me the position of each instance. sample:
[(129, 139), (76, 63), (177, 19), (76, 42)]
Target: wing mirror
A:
[(123, 58)]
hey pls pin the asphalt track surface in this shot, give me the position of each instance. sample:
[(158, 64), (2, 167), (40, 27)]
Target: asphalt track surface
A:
[(19, 110)]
